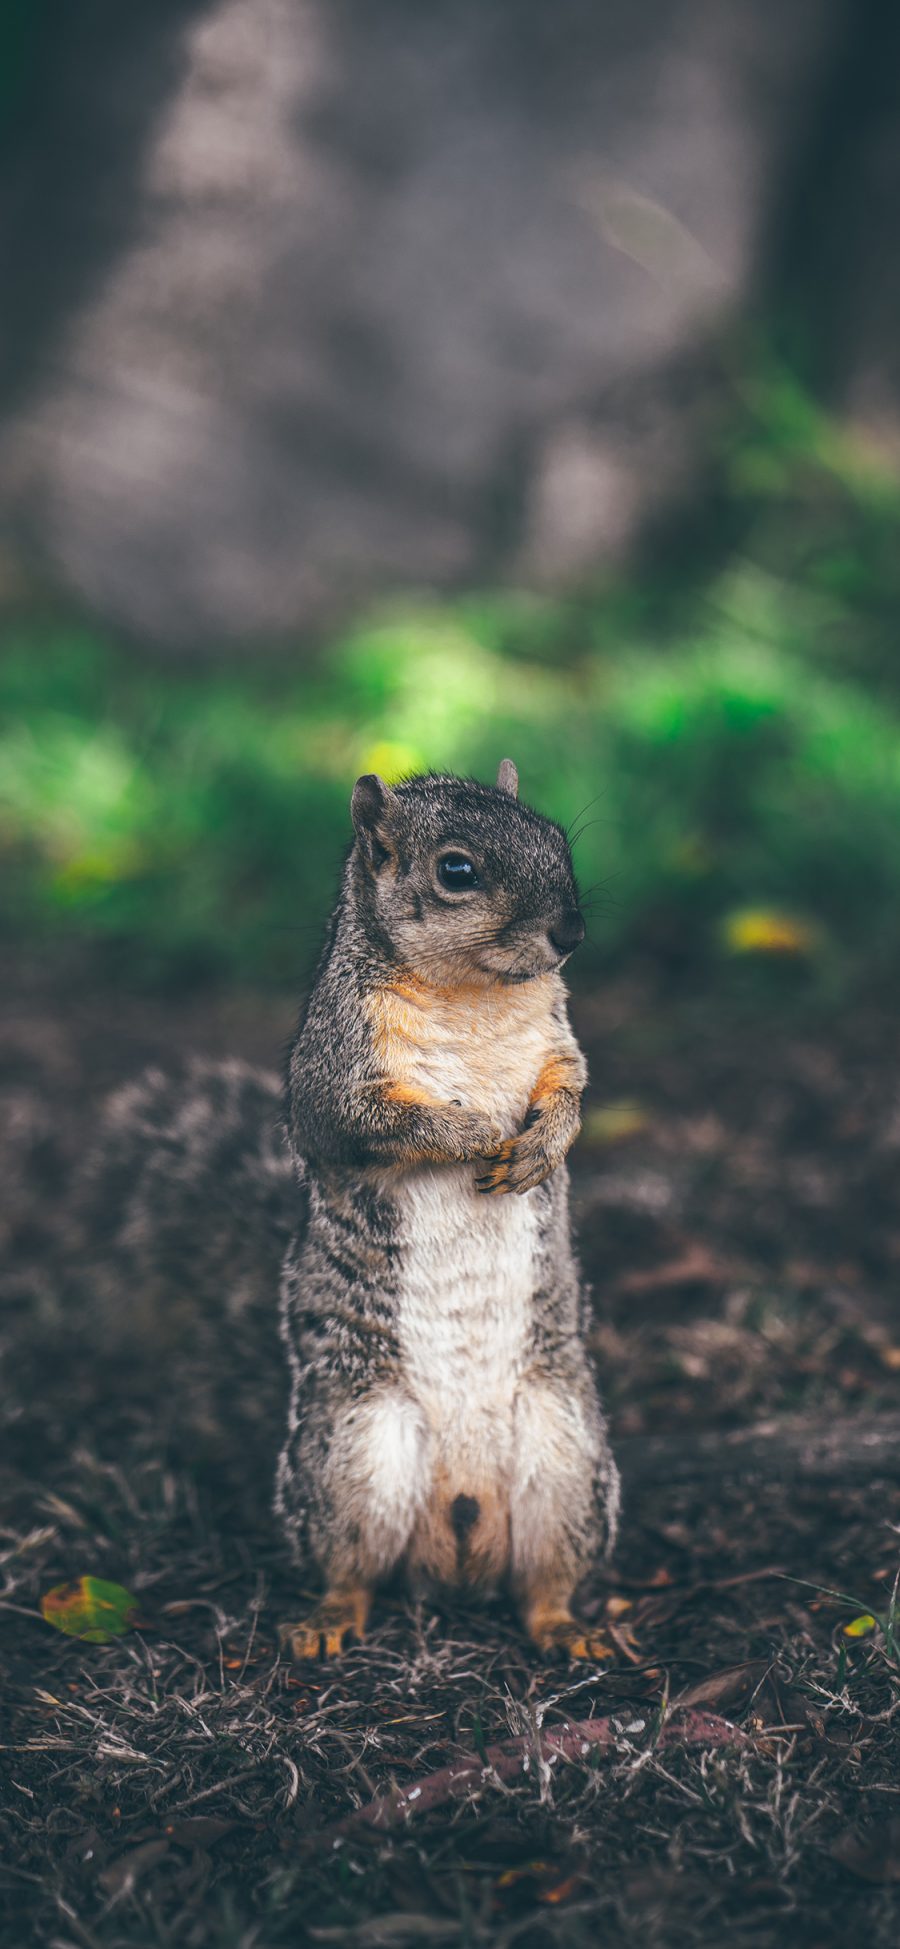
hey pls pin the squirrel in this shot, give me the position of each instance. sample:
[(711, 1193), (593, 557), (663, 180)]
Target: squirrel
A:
[(443, 1413), (443, 1419)]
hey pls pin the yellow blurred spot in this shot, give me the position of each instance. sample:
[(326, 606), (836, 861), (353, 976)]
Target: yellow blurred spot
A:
[(611, 1123), (392, 761), (890, 1357), (761, 930), (860, 1626), (100, 866)]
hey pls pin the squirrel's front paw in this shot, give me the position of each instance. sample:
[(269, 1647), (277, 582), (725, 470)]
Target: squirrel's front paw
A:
[(471, 1135), (517, 1165)]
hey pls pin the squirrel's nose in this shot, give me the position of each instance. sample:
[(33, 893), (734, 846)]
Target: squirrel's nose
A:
[(568, 931)]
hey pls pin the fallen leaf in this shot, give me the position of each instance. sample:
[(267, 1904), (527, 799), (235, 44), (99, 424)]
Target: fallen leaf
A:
[(733, 1686), (90, 1609), (528, 1870), (202, 1830), (128, 1868), (873, 1854), (860, 1626), (562, 1891), (553, 1884)]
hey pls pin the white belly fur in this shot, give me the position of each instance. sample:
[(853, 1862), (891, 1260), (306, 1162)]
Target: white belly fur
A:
[(464, 1317), (466, 1265), (466, 1281)]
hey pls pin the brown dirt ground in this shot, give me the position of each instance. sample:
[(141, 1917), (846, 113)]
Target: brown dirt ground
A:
[(740, 1227)]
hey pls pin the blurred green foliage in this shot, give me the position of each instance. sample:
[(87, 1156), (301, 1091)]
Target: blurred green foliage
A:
[(726, 746)]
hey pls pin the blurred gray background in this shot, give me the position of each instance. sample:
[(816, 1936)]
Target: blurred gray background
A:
[(307, 300)]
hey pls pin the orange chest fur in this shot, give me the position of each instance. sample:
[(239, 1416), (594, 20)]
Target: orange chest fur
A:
[(483, 1048)]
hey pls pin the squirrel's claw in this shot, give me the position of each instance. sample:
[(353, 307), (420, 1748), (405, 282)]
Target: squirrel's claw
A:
[(560, 1633), (576, 1640), (519, 1165)]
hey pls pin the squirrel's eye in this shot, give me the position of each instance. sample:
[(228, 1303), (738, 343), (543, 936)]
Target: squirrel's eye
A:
[(457, 873)]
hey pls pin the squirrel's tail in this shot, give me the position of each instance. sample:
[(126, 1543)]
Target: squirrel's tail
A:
[(179, 1221)]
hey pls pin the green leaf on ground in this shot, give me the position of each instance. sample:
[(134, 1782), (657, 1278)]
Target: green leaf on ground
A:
[(90, 1609), (859, 1627)]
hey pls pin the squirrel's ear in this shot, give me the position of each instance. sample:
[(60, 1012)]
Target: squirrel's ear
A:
[(508, 778), (371, 805)]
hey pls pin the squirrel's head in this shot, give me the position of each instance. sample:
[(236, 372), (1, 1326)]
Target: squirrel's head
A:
[(461, 882)]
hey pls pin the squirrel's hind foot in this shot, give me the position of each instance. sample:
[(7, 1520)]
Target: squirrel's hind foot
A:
[(557, 1631), (342, 1614)]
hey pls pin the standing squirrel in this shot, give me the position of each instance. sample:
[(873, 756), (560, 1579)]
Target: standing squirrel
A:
[(443, 1418), (443, 1413)]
